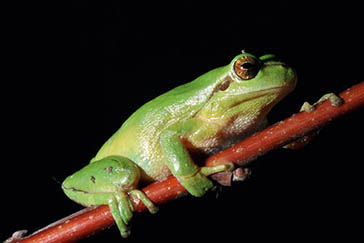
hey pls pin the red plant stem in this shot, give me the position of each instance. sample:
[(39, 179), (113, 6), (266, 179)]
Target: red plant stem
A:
[(85, 223), (90, 221), (289, 129)]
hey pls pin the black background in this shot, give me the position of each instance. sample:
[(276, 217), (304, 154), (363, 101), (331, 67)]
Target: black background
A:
[(77, 71)]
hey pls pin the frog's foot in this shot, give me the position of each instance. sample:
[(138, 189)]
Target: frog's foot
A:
[(307, 107), (223, 174), (334, 100), (137, 194), (227, 167), (198, 184), (122, 209)]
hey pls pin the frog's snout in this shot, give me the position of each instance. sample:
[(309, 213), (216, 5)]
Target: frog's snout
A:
[(74, 190), (68, 184)]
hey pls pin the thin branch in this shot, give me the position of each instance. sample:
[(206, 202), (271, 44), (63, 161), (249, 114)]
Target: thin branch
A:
[(87, 222), (289, 129)]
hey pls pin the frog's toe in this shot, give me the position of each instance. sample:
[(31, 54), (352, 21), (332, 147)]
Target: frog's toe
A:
[(125, 207), (145, 200), (207, 170), (121, 210), (334, 99), (307, 107)]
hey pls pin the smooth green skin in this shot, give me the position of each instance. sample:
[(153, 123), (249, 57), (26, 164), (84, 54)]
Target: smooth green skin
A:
[(156, 140)]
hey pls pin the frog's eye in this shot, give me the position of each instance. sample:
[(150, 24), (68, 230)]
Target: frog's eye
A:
[(246, 67)]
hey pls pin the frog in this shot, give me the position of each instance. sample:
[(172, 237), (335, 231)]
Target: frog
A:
[(203, 116)]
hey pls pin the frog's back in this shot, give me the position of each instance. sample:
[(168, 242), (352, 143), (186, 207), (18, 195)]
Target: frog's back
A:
[(138, 137)]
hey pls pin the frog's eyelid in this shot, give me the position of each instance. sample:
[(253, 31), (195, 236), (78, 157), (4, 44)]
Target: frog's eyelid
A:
[(267, 57)]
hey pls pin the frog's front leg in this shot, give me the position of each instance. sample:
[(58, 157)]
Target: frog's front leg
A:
[(108, 182), (334, 100), (307, 107), (193, 178)]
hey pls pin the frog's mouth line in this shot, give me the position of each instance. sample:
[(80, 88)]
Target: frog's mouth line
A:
[(74, 189), (282, 91)]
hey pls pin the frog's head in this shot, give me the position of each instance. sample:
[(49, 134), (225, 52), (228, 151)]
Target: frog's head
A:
[(251, 74), (249, 87)]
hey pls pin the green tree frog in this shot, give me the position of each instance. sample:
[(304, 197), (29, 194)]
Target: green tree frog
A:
[(201, 117)]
